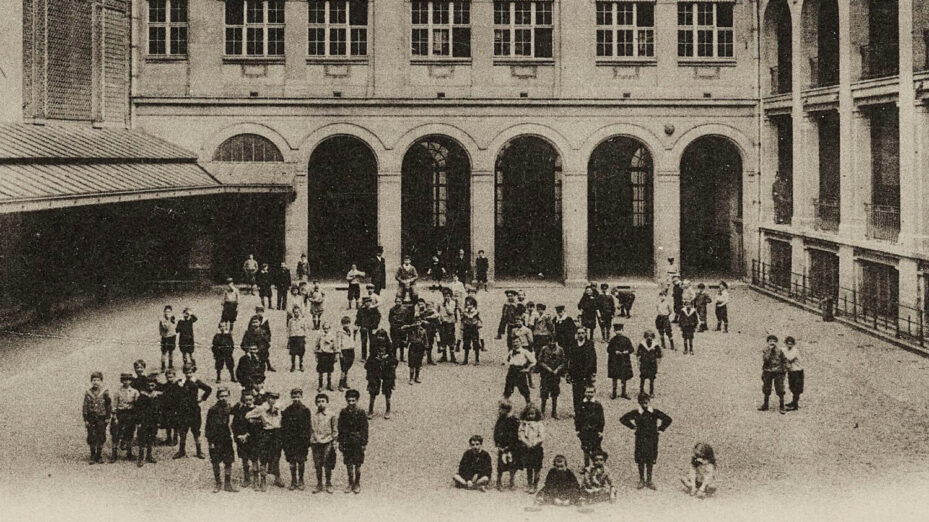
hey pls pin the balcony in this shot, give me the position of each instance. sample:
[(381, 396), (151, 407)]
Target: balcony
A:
[(883, 222), (822, 74), (780, 80), (879, 60), (826, 214)]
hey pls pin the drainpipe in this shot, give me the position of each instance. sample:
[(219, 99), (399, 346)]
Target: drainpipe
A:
[(758, 125)]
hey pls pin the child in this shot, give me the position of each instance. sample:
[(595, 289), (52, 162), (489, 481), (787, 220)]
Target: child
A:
[(506, 439), (794, 372), (296, 337), (582, 365), (722, 307), (471, 325), (700, 482), (146, 414), (326, 353), (518, 362), (688, 322), (264, 341), (230, 304), (561, 488), (268, 416), (649, 353), (398, 317), (250, 367), (606, 306), (97, 409), (345, 344), (406, 277), (677, 296), (295, 437), (185, 330), (565, 328), (773, 368), (168, 338), (353, 438), (481, 268), (246, 435), (619, 359), (122, 424), (223, 346), (509, 319), (250, 269), (283, 282), (427, 314), (448, 317), (701, 301), (316, 298), (647, 422), (474, 469), (625, 298), (375, 299), (589, 311), (436, 270), (597, 485), (367, 319), (354, 278), (531, 436), (303, 268), (219, 437), (323, 433), (264, 280), (543, 329), (140, 381), (297, 300), (663, 315), (589, 423), (188, 409), (416, 338), (381, 372), (170, 404), (551, 365)]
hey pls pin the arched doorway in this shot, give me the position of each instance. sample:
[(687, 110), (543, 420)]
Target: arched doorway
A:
[(435, 200), (619, 204), (711, 208), (528, 240), (777, 49), (343, 206)]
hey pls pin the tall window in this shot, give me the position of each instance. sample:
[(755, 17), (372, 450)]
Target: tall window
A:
[(441, 28), (167, 27), (704, 30), (260, 22), (523, 29), (625, 29), (639, 170), (337, 28)]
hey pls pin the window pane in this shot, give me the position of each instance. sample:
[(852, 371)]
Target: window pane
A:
[(233, 41), (420, 42), (337, 42), (316, 36), (522, 15), (704, 14), (420, 13), (358, 12), (156, 11), (276, 41), (645, 15), (523, 42), (439, 13), (543, 13), (254, 41), (179, 11), (179, 40), (359, 42), (501, 13), (604, 13), (461, 42), (725, 43), (704, 43), (501, 42), (624, 43), (462, 12), (254, 12), (275, 11), (156, 40), (317, 11), (543, 42), (624, 13), (336, 12), (685, 43), (604, 42), (646, 42), (685, 14), (440, 45), (724, 15)]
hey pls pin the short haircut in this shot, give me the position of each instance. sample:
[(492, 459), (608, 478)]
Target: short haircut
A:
[(505, 405), (138, 363), (643, 397), (476, 438), (771, 337), (560, 458), (222, 390), (96, 375), (346, 320), (352, 394), (168, 307), (321, 396), (790, 340)]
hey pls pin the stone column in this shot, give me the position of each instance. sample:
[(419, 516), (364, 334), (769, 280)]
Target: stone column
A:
[(856, 180), (483, 226), (908, 274), (806, 170), (297, 221), (205, 47), (768, 171), (851, 213), (667, 220), (388, 219), (295, 16), (848, 277), (482, 48), (906, 99), (574, 226), (921, 186)]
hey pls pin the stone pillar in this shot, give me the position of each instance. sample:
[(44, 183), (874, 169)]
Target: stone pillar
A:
[(388, 219), (848, 276), (745, 252), (908, 273), (806, 170), (851, 222), (574, 226), (667, 222), (295, 16), (297, 221), (483, 226), (906, 99), (769, 151), (205, 47), (856, 180), (482, 48), (921, 186), (798, 258)]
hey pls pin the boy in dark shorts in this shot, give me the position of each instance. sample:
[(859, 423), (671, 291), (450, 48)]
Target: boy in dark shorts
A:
[(146, 414), (188, 409), (326, 353), (475, 468), (381, 370), (185, 331), (416, 337), (481, 268), (268, 416), (219, 438), (398, 317), (647, 422), (353, 438), (295, 437), (246, 438), (122, 425), (168, 335), (367, 319), (551, 365), (223, 346), (506, 439), (589, 423), (230, 304), (688, 320), (96, 410), (323, 434), (606, 305), (561, 487)]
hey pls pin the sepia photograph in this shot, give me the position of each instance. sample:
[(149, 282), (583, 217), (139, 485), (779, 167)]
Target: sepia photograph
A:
[(459, 260)]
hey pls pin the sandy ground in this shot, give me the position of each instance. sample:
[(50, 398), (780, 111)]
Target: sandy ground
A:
[(856, 450)]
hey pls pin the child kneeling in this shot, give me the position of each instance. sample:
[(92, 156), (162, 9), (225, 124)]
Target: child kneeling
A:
[(701, 481), (598, 484), (475, 468)]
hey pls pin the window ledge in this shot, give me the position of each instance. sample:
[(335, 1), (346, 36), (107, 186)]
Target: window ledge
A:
[(707, 62), (254, 59), (337, 60), (609, 62), (419, 60), (524, 61), (155, 58)]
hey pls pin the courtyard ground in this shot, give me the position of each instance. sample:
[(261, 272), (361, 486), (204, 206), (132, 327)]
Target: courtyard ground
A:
[(857, 449)]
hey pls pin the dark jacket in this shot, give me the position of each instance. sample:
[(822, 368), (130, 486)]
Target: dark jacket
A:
[(259, 338), (247, 369), (353, 427), (368, 318), (589, 417), (688, 323), (382, 368), (481, 266), (190, 398), (647, 424), (217, 427), (283, 279), (263, 280), (223, 345), (185, 329), (607, 305), (475, 463), (582, 361), (506, 432), (564, 332), (560, 484), (462, 268), (378, 272), (295, 427), (509, 316)]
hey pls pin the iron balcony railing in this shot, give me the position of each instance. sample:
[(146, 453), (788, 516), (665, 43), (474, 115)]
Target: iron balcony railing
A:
[(826, 214), (879, 60), (883, 222)]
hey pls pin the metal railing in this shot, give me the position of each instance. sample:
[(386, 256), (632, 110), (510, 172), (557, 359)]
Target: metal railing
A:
[(883, 222), (904, 322), (821, 75), (780, 80), (826, 212), (879, 60)]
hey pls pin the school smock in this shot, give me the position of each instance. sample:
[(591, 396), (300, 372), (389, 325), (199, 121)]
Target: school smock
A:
[(647, 423)]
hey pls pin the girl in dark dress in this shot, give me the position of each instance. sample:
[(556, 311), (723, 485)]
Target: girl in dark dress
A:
[(506, 439), (649, 352), (647, 422), (619, 359)]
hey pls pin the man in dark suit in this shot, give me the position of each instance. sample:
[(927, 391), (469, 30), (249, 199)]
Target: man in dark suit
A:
[(582, 365), (462, 267), (378, 271), (282, 281)]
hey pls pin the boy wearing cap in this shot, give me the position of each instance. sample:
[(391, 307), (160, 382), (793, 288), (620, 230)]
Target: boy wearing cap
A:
[(146, 414), (97, 408), (773, 368), (268, 416), (189, 417), (367, 319), (123, 422), (168, 337), (416, 338), (606, 305), (471, 325), (223, 346), (185, 331), (246, 435), (565, 328), (381, 370), (619, 359), (509, 318), (295, 437), (794, 372), (353, 438), (406, 276), (324, 432), (219, 438), (297, 328), (316, 297), (375, 299)]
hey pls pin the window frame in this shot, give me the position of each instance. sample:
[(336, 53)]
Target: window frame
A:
[(614, 27), (169, 25), (431, 27), (265, 26), (512, 27), (328, 28), (695, 30)]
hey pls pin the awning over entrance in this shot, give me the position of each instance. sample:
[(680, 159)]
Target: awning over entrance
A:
[(56, 166)]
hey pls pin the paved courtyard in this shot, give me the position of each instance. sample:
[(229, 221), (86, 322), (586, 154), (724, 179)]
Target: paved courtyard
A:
[(857, 449)]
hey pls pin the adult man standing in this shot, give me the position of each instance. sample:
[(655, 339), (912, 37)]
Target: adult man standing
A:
[(773, 368), (582, 365), (378, 271), (282, 281)]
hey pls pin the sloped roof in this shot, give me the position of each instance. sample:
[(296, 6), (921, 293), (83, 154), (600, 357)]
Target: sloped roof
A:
[(72, 142)]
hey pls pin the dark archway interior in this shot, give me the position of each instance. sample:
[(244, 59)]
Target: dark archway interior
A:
[(711, 208), (528, 240), (619, 204), (343, 206), (436, 200)]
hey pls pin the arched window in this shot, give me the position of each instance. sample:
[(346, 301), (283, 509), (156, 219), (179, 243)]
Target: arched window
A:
[(247, 148)]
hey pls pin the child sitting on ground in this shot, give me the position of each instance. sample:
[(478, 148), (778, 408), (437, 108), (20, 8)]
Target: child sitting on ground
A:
[(700, 482), (560, 487), (474, 469), (598, 484)]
